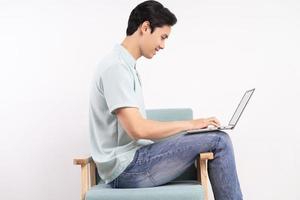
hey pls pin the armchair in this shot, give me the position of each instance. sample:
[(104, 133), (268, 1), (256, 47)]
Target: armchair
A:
[(192, 184)]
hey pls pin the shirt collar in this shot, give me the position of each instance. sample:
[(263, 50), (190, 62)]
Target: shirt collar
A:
[(126, 56)]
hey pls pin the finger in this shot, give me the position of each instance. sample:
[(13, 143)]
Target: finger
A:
[(215, 120), (214, 124), (212, 121)]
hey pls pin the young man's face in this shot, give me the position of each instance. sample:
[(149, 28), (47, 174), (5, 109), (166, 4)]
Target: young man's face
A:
[(152, 42)]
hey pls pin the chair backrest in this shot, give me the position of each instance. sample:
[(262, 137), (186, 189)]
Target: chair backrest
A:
[(171, 114)]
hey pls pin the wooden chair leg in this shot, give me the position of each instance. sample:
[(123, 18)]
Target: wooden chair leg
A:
[(202, 171), (84, 181), (87, 174), (93, 173)]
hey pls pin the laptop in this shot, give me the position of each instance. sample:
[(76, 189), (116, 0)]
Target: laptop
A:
[(235, 118)]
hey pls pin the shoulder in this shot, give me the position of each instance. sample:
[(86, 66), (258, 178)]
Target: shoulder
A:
[(112, 64), (116, 69)]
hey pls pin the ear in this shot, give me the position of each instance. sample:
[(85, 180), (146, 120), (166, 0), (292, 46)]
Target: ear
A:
[(145, 27)]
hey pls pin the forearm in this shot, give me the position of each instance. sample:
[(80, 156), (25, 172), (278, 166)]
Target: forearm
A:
[(137, 127), (149, 129)]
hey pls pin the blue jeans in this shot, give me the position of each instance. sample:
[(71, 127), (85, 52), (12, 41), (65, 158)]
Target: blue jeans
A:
[(163, 161)]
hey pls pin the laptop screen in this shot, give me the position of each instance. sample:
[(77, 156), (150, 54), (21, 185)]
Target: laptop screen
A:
[(241, 107)]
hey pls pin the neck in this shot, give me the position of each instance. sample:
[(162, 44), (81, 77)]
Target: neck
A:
[(131, 44)]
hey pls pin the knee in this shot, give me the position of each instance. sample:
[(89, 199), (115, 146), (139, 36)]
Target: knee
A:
[(224, 140)]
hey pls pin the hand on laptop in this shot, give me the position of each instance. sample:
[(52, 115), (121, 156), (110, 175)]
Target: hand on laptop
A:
[(204, 123)]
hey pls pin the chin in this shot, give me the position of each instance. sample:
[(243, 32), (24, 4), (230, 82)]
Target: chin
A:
[(149, 56)]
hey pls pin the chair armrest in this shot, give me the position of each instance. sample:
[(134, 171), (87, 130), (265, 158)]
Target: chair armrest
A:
[(82, 160), (202, 171), (206, 156), (88, 173)]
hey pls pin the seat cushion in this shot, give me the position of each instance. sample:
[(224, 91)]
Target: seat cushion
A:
[(175, 190)]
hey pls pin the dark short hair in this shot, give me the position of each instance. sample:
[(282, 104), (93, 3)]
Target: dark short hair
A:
[(151, 11)]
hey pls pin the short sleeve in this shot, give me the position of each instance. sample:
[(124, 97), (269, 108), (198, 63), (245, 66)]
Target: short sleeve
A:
[(118, 88)]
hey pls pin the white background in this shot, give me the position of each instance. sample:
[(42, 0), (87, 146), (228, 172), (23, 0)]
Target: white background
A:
[(217, 50)]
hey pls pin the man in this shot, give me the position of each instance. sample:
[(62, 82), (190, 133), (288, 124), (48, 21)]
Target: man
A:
[(121, 136)]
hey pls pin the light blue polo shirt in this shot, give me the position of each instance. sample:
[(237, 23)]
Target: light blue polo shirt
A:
[(115, 85)]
